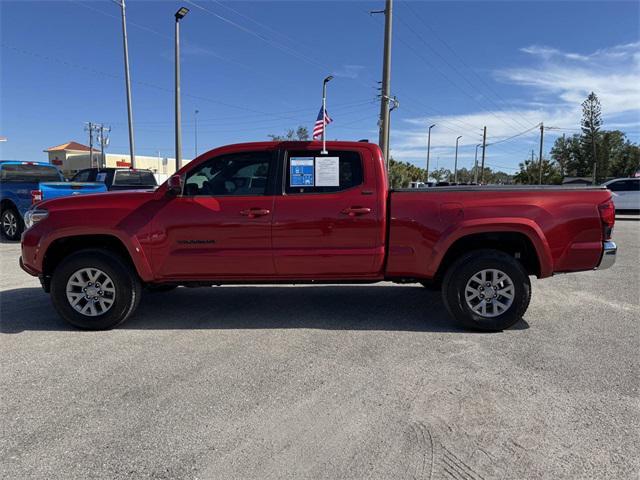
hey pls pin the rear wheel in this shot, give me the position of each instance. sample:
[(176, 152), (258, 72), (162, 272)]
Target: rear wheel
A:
[(486, 290), (95, 289), (11, 224)]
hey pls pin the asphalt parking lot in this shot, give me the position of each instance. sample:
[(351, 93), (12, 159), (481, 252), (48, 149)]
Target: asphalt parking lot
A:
[(326, 382)]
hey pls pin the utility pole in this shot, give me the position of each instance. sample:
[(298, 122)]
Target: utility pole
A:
[(531, 179), (179, 16), (428, 151), (385, 96), (475, 166), (195, 119), (127, 83), (595, 156), (484, 147), (104, 142), (540, 159), (90, 127), (455, 165)]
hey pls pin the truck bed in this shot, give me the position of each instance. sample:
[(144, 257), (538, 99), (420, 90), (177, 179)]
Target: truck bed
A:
[(562, 224)]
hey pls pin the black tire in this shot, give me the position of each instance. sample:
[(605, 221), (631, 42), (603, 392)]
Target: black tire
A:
[(463, 269), (125, 281), (159, 288), (11, 224)]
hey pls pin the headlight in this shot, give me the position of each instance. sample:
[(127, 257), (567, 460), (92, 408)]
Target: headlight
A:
[(34, 216)]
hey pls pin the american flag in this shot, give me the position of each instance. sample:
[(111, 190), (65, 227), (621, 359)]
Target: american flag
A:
[(318, 128)]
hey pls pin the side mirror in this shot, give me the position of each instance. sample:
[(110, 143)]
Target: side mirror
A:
[(174, 184)]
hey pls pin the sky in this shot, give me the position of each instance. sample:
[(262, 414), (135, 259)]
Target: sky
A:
[(252, 69)]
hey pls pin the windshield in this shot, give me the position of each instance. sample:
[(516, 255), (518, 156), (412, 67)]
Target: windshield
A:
[(29, 173)]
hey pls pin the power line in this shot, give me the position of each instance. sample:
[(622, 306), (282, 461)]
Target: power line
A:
[(515, 136), (435, 34), (447, 77)]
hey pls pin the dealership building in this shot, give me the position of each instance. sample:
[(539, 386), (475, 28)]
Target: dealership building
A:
[(73, 156)]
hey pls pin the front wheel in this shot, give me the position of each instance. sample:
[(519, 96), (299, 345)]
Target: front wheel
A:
[(11, 224), (95, 289), (486, 290)]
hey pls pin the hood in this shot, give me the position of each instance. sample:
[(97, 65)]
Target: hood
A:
[(125, 200)]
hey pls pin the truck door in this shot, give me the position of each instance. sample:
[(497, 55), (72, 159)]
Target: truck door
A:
[(328, 223), (220, 227)]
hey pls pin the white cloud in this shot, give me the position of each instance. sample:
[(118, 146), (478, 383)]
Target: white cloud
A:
[(557, 82), (349, 71)]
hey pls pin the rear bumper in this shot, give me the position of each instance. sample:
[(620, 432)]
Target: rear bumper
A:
[(609, 251)]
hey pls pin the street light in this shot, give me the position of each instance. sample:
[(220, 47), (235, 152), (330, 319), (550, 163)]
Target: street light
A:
[(455, 165), (180, 14), (127, 83), (324, 113), (428, 151)]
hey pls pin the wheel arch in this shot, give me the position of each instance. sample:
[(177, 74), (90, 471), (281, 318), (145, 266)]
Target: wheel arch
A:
[(62, 247), (514, 243)]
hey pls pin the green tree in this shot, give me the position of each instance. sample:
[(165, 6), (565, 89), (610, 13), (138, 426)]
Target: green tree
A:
[(401, 174), (441, 174), (529, 173), (301, 133), (590, 125)]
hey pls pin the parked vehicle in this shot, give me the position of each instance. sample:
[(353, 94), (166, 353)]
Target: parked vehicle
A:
[(25, 183), (281, 212), (118, 178), (625, 193)]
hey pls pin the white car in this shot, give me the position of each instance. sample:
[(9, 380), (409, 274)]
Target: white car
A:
[(625, 193)]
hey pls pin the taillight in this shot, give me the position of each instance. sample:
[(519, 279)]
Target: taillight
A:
[(607, 217), (36, 196)]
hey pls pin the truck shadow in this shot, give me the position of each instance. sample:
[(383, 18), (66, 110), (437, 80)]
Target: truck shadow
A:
[(395, 308)]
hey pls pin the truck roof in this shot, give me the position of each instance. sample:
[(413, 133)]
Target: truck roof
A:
[(333, 144), (21, 162)]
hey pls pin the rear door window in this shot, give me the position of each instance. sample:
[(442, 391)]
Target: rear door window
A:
[(82, 176), (309, 172), (134, 177), (18, 173)]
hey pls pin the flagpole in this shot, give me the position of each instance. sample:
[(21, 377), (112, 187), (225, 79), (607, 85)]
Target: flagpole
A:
[(324, 113)]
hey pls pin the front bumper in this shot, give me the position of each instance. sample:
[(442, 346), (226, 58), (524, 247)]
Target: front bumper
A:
[(609, 251), (27, 268)]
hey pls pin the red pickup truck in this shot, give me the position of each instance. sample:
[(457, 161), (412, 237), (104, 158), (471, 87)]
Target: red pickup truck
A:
[(284, 212)]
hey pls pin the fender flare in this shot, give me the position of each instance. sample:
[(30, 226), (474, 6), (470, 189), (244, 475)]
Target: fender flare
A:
[(494, 225), (131, 244)]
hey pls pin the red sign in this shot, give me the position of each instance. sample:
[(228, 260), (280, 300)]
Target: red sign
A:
[(121, 163)]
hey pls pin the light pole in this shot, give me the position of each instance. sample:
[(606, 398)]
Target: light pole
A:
[(429, 151), (324, 113), (455, 165), (475, 165), (195, 119), (127, 83), (180, 14)]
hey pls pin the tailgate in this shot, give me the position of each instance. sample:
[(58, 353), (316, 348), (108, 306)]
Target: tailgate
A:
[(52, 190)]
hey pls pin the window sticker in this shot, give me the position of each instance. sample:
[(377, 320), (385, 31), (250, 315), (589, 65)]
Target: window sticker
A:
[(100, 177), (301, 172), (327, 171)]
